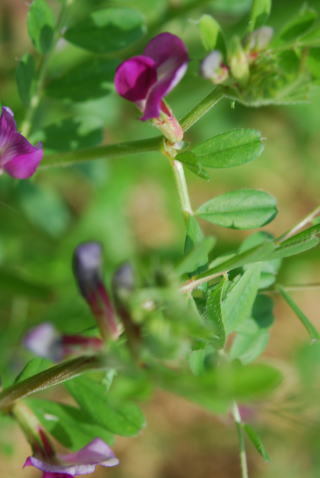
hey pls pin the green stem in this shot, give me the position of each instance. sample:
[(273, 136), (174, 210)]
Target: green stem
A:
[(42, 70), (241, 436), (49, 378), (300, 225), (203, 107), (182, 187), (110, 150)]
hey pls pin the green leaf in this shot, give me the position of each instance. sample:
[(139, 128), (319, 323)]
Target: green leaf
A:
[(298, 26), (90, 79), (214, 313), (121, 418), (41, 25), (194, 234), (197, 361), (209, 32), (256, 441), (256, 254), (253, 334), (313, 61), (298, 243), (242, 209), (24, 76), (269, 268), (190, 160), (33, 367), (245, 382), (237, 306), (107, 31), (69, 135), (307, 324), (68, 424), (226, 150), (197, 257), (260, 12)]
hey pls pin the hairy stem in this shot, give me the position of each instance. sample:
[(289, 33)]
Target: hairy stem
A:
[(42, 71), (101, 152), (202, 108), (49, 378), (182, 187), (241, 436)]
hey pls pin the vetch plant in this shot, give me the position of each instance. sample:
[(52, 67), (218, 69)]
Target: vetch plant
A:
[(196, 327)]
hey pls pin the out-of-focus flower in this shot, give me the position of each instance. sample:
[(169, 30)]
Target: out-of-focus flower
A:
[(259, 39), (238, 61), (146, 79), (46, 341), (87, 268), (18, 157), (213, 69), (82, 462)]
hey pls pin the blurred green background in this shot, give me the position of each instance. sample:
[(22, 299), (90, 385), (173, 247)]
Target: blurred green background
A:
[(131, 205)]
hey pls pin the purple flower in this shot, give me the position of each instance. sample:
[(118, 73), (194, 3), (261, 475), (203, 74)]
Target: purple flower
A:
[(146, 79), (17, 156), (45, 341), (82, 462), (87, 268)]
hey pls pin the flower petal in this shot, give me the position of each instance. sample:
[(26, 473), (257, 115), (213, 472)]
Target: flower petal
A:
[(211, 64), (134, 78), (171, 57), (97, 452), (56, 475), (45, 341), (21, 159), (7, 126)]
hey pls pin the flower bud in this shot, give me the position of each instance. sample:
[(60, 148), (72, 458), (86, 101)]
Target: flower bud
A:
[(238, 61), (213, 69), (87, 268), (259, 39)]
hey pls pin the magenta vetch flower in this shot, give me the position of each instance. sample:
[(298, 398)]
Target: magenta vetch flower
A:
[(213, 69), (87, 268), (146, 79), (46, 341), (82, 462), (18, 157)]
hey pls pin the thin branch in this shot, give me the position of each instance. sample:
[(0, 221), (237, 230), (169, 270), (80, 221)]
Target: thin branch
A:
[(301, 224)]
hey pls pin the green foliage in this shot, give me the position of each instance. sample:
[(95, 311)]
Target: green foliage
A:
[(214, 314), (209, 32), (256, 441), (88, 80), (259, 13), (225, 150), (67, 424), (237, 306), (25, 72), (120, 418), (107, 31), (243, 209), (41, 25)]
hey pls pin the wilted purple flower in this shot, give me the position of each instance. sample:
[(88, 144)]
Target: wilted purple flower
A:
[(87, 268), (18, 157), (81, 462), (146, 79), (213, 69), (46, 341)]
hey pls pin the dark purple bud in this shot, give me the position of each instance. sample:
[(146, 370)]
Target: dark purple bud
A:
[(123, 279), (45, 341), (18, 157), (148, 78), (87, 268)]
